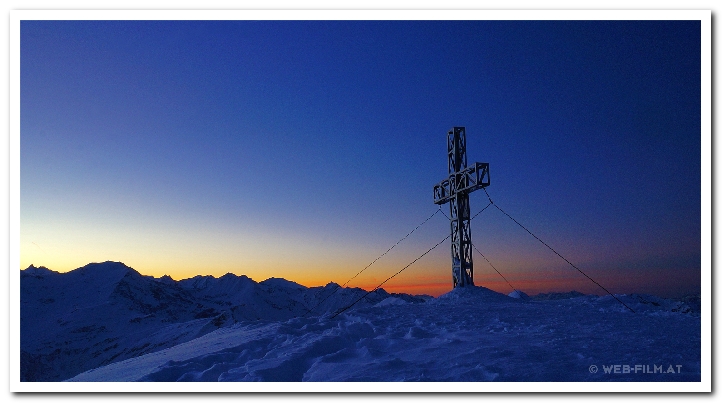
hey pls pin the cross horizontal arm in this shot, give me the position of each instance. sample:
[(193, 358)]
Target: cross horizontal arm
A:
[(466, 181)]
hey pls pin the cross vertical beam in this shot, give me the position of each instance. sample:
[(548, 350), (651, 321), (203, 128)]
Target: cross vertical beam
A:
[(455, 190)]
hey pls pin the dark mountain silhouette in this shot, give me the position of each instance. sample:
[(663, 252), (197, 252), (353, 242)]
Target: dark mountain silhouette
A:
[(106, 312)]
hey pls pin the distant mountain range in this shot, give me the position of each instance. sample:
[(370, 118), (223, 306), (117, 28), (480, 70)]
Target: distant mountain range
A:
[(107, 312)]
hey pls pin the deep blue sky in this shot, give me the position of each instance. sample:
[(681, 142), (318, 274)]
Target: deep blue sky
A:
[(304, 149)]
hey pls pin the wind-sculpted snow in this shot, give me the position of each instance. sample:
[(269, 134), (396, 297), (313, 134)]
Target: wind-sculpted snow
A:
[(471, 334), (107, 312)]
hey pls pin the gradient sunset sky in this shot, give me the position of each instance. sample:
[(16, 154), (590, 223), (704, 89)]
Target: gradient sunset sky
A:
[(305, 149)]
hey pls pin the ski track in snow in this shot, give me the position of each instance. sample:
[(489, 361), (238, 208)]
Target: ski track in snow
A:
[(466, 335)]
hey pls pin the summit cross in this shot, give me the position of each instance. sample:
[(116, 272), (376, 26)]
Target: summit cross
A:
[(455, 190)]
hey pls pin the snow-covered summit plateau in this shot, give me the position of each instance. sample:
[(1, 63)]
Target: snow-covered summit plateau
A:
[(107, 322)]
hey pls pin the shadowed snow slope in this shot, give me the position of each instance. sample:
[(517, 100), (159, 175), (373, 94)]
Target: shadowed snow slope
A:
[(470, 334), (107, 312)]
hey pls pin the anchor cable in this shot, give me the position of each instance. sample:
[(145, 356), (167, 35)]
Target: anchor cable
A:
[(482, 255), (492, 266), (369, 265), (389, 249), (397, 273), (480, 211), (557, 253)]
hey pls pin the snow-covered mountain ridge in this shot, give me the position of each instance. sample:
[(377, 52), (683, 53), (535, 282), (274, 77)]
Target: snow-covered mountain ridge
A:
[(106, 312), (106, 322)]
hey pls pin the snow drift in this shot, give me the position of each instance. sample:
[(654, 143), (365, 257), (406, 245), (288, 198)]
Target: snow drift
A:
[(136, 328), (106, 312)]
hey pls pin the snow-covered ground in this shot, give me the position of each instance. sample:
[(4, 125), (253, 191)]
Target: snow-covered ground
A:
[(466, 335), (470, 334), (107, 312)]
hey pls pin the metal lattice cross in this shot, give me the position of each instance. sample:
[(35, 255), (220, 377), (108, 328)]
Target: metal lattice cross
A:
[(455, 190)]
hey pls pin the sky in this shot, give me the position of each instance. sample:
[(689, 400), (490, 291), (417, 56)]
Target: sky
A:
[(305, 149)]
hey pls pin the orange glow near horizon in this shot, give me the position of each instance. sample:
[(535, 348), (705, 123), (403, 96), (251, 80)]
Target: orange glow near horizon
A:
[(431, 277)]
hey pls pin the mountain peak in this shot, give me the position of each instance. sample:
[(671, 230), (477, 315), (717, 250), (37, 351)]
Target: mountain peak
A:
[(231, 275), (166, 279), (281, 282), (38, 271), (107, 265), (105, 274)]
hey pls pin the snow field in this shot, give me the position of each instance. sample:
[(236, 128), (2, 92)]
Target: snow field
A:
[(470, 335)]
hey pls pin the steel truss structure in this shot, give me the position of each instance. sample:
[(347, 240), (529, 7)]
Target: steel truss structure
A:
[(455, 190)]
